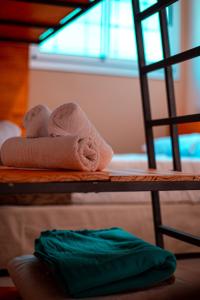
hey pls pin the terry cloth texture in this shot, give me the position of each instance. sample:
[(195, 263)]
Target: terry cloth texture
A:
[(69, 118), (68, 152), (90, 263), (36, 121)]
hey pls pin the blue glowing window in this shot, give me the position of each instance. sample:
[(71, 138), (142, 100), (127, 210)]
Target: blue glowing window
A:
[(106, 32)]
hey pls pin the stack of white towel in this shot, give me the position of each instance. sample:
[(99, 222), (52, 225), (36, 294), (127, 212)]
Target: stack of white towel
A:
[(64, 138)]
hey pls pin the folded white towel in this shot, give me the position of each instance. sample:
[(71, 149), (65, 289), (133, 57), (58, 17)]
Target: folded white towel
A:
[(8, 130), (36, 121), (69, 118), (69, 152)]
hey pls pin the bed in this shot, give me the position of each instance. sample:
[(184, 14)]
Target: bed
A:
[(23, 217), (21, 223)]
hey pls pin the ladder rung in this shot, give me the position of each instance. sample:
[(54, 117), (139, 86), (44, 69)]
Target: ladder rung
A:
[(154, 8), (175, 120), (174, 59), (180, 235)]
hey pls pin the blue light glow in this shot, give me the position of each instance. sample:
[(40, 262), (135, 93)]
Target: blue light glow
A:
[(70, 15), (106, 30), (46, 33)]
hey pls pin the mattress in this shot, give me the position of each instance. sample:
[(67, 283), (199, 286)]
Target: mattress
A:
[(139, 161), (20, 225)]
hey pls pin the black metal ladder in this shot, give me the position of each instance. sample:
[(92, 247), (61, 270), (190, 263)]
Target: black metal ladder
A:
[(166, 63)]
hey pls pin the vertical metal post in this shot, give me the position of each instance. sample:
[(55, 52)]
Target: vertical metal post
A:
[(144, 87), (171, 102), (157, 218), (147, 117)]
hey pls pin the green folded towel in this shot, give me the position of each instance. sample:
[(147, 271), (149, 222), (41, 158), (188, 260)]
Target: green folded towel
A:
[(90, 263)]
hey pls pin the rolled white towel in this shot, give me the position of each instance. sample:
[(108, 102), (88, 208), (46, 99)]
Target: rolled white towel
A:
[(36, 121), (69, 152), (8, 130), (69, 118)]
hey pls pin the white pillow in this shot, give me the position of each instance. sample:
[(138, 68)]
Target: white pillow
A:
[(34, 282), (32, 279), (8, 130)]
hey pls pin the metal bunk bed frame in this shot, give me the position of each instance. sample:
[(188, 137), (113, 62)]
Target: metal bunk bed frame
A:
[(173, 119), (153, 186)]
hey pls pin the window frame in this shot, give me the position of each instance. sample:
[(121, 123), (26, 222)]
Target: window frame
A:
[(98, 66)]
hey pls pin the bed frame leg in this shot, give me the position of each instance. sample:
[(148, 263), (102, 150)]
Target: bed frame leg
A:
[(157, 219)]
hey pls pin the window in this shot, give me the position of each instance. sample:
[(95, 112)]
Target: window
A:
[(103, 41)]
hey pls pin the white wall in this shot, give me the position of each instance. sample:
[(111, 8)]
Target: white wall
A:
[(112, 103), (193, 66)]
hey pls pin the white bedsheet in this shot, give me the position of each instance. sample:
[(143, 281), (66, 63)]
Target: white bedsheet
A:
[(133, 160), (139, 161)]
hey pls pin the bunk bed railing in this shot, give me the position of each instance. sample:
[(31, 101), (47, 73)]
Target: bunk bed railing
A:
[(173, 120), (135, 181)]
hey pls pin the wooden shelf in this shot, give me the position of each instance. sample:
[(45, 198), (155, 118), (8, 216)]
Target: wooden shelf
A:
[(12, 175), (18, 181), (26, 21)]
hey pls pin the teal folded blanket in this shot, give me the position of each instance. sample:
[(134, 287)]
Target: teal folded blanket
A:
[(90, 263)]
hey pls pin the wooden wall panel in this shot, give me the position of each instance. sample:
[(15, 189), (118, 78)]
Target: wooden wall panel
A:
[(13, 81)]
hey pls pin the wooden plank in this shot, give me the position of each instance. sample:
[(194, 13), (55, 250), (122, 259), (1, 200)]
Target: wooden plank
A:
[(64, 3), (29, 12), (12, 175), (151, 175), (31, 18), (12, 32), (13, 81)]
